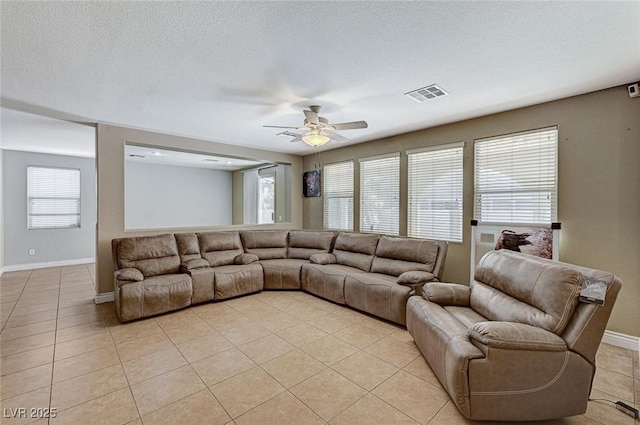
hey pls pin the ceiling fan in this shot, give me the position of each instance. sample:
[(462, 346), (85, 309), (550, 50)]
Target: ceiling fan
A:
[(319, 131)]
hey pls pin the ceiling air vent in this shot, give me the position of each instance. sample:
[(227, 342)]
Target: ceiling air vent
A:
[(133, 155), (210, 160), (426, 93)]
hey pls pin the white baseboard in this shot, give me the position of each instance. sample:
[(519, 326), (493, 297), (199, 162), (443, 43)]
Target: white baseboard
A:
[(107, 297), (621, 340), (47, 264)]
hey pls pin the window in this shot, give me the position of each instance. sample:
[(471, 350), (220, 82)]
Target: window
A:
[(379, 195), (435, 193), (266, 198), (53, 198), (338, 196), (515, 177)]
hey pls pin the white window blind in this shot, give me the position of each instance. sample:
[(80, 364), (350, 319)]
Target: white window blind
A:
[(435, 193), (338, 196), (379, 195), (53, 198), (516, 177)]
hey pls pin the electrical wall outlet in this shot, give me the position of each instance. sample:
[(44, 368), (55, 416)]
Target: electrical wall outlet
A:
[(32, 251)]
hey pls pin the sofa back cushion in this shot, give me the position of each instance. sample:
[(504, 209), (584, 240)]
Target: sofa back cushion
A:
[(219, 248), (304, 243), (266, 244), (152, 255), (512, 287), (355, 249), (395, 255), (188, 246)]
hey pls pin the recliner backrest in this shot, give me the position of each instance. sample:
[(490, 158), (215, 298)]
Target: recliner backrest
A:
[(304, 243), (266, 244), (355, 249), (512, 287), (220, 248), (395, 255), (152, 255), (188, 246)]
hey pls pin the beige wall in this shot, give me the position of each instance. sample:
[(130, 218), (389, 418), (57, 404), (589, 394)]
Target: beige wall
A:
[(598, 183), (110, 165)]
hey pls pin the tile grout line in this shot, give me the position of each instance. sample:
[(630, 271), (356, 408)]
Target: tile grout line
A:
[(16, 303), (55, 340)]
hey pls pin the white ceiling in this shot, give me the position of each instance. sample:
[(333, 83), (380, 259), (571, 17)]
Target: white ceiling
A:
[(148, 155), (220, 70)]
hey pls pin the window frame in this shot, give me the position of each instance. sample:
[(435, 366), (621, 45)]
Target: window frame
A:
[(53, 192), (505, 188), (388, 227), (438, 161), (329, 193)]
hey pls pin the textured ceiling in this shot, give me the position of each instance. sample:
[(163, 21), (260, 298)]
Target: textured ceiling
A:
[(220, 70)]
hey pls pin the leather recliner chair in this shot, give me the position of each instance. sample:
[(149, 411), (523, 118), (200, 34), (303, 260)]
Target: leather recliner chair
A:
[(517, 344)]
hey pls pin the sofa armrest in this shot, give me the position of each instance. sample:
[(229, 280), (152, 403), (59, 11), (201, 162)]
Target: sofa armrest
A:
[(245, 259), (323, 258), (415, 277), (515, 336), (129, 275), (196, 263), (447, 294)]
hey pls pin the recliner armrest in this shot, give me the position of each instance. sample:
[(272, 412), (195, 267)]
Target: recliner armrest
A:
[(196, 263), (415, 277), (323, 258), (129, 274), (245, 258), (516, 336), (447, 293)]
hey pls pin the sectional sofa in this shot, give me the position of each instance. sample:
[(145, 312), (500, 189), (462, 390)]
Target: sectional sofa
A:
[(373, 273)]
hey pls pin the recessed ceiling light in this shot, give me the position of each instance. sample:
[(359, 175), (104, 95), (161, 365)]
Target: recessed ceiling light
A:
[(228, 162), (426, 93), (156, 153)]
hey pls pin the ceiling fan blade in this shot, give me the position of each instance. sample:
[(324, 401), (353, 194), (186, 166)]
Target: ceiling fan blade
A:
[(312, 117), (334, 136), (283, 126), (297, 139), (350, 125)]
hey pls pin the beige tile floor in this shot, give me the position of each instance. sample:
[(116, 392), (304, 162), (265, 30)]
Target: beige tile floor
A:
[(268, 358)]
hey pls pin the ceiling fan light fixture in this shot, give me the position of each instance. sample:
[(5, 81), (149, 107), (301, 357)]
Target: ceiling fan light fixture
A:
[(315, 139)]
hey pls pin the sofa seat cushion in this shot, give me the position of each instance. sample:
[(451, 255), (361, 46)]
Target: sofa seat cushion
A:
[(282, 274), (377, 294), (327, 280), (154, 295), (233, 280), (465, 315)]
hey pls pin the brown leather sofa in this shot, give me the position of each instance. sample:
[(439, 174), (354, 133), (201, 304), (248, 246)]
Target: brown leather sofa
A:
[(517, 344), (375, 274)]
